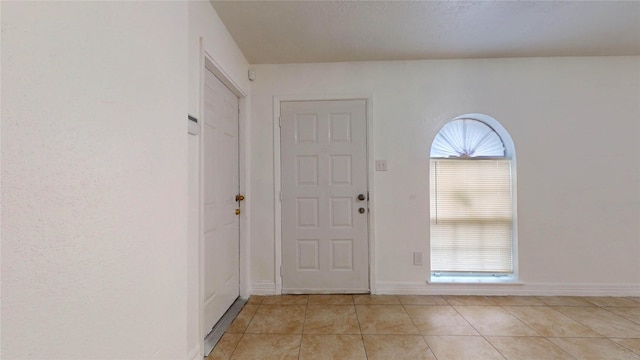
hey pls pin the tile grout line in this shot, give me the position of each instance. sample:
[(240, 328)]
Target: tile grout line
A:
[(481, 334), (506, 307), (628, 348), (419, 333), (561, 349), (236, 347), (618, 315), (602, 336), (478, 331), (304, 322), (245, 329), (355, 309), (578, 320), (546, 338)]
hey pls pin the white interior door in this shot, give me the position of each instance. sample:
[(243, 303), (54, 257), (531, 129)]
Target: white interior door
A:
[(324, 222), (221, 238)]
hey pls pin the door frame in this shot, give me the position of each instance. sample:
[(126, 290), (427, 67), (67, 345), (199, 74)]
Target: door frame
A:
[(277, 178), (207, 62)]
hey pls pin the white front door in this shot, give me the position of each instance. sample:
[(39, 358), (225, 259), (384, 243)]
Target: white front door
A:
[(325, 245), (221, 238)]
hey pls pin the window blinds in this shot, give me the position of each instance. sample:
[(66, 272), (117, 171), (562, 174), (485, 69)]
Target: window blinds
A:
[(471, 215)]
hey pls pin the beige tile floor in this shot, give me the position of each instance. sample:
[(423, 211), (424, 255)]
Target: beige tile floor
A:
[(413, 327)]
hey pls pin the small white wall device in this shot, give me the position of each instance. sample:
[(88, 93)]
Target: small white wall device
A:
[(194, 126)]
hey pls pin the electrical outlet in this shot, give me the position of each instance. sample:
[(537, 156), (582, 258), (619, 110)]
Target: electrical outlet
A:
[(417, 258), (381, 165)]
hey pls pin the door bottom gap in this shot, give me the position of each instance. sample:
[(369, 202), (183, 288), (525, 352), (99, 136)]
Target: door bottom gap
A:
[(222, 325)]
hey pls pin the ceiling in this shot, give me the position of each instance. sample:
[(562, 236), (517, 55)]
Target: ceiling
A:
[(279, 32)]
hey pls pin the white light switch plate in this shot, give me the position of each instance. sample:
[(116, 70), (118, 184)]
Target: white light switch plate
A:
[(381, 165)]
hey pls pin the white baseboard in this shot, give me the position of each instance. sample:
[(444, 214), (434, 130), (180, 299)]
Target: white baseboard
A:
[(262, 287), (332, 291), (521, 289), (194, 354)]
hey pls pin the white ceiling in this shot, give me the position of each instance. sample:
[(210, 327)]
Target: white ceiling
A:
[(275, 32)]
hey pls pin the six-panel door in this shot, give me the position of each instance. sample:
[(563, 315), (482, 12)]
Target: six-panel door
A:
[(220, 186), (324, 224)]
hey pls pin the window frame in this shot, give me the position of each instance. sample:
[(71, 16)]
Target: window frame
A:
[(509, 153)]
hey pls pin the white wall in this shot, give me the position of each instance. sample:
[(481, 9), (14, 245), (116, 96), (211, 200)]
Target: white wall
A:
[(208, 35), (575, 123), (94, 155)]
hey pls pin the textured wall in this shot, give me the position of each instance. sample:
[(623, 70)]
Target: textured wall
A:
[(94, 180), (574, 122)]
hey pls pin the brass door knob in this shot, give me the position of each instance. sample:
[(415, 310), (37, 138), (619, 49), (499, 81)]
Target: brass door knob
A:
[(239, 197), (237, 211)]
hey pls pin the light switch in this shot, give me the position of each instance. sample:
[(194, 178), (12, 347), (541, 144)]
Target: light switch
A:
[(381, 165)]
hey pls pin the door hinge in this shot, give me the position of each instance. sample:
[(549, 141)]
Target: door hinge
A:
[(280, 121), (280, 270)]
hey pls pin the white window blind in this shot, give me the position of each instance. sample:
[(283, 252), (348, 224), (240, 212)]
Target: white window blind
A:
[(471, 215)]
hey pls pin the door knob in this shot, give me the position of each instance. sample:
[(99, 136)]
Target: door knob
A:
[(239, 197), (237, 211), (361, 210), (361, 197)]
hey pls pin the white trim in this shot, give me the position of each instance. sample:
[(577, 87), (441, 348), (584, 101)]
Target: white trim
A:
[(244, 144), (510, 152), (331, 291), (277, 181), (277, 199), (262, 287), (195, 353), (372, 205), (201, 202), (459, 279), (207, 62), (516, 289), (219, 72)]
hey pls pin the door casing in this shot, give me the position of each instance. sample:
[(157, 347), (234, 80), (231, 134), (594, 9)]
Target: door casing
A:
[(208, 62), (368, 98)]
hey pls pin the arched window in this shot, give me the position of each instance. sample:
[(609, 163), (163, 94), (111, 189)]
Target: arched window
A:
[(472, 200)]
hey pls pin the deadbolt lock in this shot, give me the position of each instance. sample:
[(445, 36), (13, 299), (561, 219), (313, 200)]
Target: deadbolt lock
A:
[(361, 210), (237, 211), (239, 197)]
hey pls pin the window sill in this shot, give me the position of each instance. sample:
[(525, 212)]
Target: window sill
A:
[(474, 280)]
